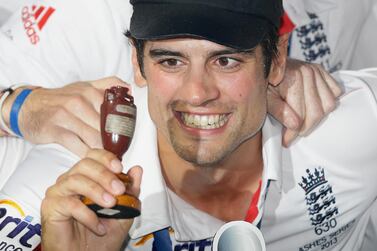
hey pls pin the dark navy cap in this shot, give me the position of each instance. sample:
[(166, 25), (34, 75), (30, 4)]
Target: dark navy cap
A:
[(239, 24)]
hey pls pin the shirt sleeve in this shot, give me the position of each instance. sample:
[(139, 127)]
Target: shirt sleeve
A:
[(12, 152), (21, 196)]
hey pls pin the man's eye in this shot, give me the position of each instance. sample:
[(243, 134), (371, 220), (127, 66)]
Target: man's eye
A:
[(227, 62), (170, 62)]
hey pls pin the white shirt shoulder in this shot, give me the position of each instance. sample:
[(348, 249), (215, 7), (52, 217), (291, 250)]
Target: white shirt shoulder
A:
[(328, 178), (59, 42)]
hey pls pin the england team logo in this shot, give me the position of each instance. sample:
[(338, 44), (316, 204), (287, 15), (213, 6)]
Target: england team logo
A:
[(320, 200), (314, 45)]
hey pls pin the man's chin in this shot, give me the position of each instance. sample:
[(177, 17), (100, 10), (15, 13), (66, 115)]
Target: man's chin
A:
[(199, 151), (201, 159)]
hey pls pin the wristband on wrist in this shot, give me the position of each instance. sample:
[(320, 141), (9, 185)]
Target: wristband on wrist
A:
[(15, 110), (3, 127), (4, 94)]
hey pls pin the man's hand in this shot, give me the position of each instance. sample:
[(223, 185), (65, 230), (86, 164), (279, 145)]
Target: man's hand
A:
[(67, 224), (304, 97), (68, 116)]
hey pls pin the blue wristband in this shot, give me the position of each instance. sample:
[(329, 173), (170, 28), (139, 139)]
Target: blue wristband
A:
[(20, 99)]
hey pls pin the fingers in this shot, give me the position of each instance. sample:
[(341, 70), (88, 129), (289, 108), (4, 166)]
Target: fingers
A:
[(98, 180), (106, 158), (281, 111), (306, 95), (64, 128), (71, 142), (74, 107), (101, 190), (332, 83), (77, 184), (313, 106), (326, 95), (92, 177), (105, 83), (291, 91), (289, 136), (85, 106), (60, 208), (321, 92)]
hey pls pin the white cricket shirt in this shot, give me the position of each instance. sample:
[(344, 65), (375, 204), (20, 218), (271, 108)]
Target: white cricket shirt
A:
[(320, 195)]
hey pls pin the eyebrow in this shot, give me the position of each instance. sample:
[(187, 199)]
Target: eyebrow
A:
[(155, 53), (249, 52)]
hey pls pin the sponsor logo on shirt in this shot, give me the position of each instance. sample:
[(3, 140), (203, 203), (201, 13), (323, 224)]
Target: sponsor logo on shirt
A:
[(18, 231), (201, 245), (167, 242), (34, 20)]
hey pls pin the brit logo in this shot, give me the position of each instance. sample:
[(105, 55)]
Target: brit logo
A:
[(18, 230), (34, 20), (164, 240), (320, 200)]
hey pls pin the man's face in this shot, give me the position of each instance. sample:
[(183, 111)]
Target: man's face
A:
[(204, 98)]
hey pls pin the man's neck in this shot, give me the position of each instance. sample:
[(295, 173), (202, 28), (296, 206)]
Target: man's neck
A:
[(223, 191)]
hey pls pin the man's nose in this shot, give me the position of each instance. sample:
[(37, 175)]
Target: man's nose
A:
[(199, 87)]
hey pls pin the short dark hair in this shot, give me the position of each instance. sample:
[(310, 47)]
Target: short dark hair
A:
[(269, 48), (139, 45)]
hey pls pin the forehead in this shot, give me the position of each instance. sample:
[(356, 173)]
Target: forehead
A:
[(184, 43), (192, 46)]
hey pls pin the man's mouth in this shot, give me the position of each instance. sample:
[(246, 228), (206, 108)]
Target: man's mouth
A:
[(205, 122)]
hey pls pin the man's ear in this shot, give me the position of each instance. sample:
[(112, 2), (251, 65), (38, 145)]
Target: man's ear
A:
[(138, 77), (278, 63)]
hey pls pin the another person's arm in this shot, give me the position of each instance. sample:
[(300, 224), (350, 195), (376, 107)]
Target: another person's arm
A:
[(67, 49), (68, 115)]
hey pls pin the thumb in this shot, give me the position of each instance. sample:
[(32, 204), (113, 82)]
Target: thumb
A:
[(135, 173)]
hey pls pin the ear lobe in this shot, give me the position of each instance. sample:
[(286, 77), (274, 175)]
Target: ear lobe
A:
[(278, 64), (138, 77)]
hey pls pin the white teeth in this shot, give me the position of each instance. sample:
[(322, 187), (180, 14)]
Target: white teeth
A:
[(189, 119), (204, 121), (197, 120), (211, 120), (217, 119)]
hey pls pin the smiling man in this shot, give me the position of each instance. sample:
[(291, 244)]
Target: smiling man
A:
[(204, 95), (209, 151)]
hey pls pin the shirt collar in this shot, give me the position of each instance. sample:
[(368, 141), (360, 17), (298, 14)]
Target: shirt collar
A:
[(272, 151)]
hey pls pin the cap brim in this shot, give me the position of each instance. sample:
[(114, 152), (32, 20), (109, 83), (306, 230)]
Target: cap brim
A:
[(164, 21)]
